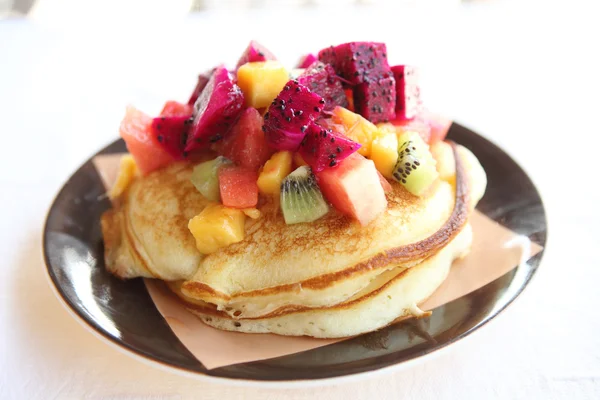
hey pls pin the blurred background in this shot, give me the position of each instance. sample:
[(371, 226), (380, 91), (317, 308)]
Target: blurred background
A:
[(52, 8)]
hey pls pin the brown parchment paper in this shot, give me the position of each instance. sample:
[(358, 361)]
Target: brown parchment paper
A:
[(495, 251)]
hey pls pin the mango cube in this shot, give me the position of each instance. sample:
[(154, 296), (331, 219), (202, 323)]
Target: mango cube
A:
[(275, 170), (253, 213), (384, 152), (127, 172), (261, 82), (216, 227), (357, 128), (385, 127)]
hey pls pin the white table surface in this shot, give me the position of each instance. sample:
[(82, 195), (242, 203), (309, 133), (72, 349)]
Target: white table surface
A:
[(525, 74)]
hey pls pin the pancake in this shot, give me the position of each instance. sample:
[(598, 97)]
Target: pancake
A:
[(382, 302)]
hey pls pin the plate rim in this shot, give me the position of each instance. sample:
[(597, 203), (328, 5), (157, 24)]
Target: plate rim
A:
[(254, 383), (148, 359)]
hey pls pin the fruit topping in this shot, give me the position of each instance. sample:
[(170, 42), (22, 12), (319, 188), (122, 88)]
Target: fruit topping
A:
[(418, 125), (384, 183), (205, 177), (289, 115), (408, 94), (171, 133), (376, 99), (217, 227), (415, 169), (176, 109), (356, 128), (300, 198), (321, 79), (298, 160), (350, 98), (261, 82), (245, 144), (445, 164), (322, 118), (432, 127), (255, 52), (354, 188), (357, 62), (252, 213), (275, 170), (438, 124), (325, 148), (237, 186), (307, 60), (215, 111), (147, 152), (203, 79), (384, 151), (127, 172)]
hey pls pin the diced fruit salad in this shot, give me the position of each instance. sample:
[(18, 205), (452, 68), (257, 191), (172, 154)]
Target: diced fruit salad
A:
[(330, 133)]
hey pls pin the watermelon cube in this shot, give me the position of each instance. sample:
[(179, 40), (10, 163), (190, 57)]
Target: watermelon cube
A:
[(238, 187), (245, 144), (354, 188), (136, 131)]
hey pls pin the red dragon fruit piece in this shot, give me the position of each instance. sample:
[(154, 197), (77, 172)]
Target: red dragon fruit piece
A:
[(321, 79), (307, 60), (290, 114), (203, 79), (357, 61), (253, 53), (215, 111), (376, 100), (408, 94), (324, 148), (171, 134)]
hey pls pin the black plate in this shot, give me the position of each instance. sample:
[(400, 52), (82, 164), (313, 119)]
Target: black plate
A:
[(123, 313)]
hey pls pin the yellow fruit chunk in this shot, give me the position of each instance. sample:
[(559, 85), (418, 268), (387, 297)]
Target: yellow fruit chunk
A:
[(356, 128), (261, 82), (276, 168), (445, 164), (216, 227), (252, 213), (384, 152), (127, 172), (386, 127)]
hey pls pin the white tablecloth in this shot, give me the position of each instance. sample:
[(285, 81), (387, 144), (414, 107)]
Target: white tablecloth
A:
[(525, 74)]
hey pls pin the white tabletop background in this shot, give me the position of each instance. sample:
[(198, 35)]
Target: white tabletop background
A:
[(525, 74)]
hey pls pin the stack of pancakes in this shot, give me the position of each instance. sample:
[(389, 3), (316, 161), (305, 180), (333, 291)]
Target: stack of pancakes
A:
[(329, 278)]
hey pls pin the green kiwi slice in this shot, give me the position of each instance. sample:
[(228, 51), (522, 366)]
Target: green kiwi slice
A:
[(301, 198), (415, 168)]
